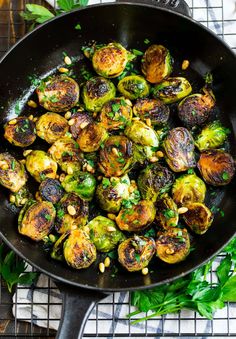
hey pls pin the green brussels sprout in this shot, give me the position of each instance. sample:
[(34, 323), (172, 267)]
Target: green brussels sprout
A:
[(116, 156), (179, 149), (20, 197), (217, 167), (91, 137), (136, 218), (96, 92), (173, 245), (40, 165), (154, 180), (104, 234), (198, 217), (36, 219), (12, 173), (167, 212), (20, 132), (135, 253), (188, 188), (142, 134), (51, 190), (79, 251), (172, 90), (133, 87), (81, 183), (58, 94), (51, 127), (152, 109), (156, 63), (212, 136), (80, 121)]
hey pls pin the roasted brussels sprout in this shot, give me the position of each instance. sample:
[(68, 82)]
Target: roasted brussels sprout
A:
[(72, 213), (79, 251), (110, 61), (212, 136), (198, 217), (40, 165), (91, 137), (187, 189), (81, 120), (58, 94), (136, 218), (133, 87), (179, 149), (20, 197), (51, 190), (36, 219), (142, 134), (173, 245), (12, 173), (81, 183), (96, 92), (116, 156), (217, 167), (167, 212), (156, 63), (154, 180), (172, 90), (20, 132), (51, 127), (135, 253), (152, 109)]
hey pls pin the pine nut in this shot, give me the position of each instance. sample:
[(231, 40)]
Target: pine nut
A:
[(71, 210), (182, 210), (107, 262), (115, 151), (31, 117), (170, 251), (62, 177), (71, 122), (35, 119), (112, 217), (185, 64), (84, 124), (67, 60), (131, 189), (69, 170), (27, 152), (3, 165), (12, 122), (63, 70), (160, 154), (153, 159), (148, 122), (136, 118), (111, 229), (145, 271), (32, 103), (128, 102), (99, 177), (67, 115), (23, 201), (12, 199), (23, 161), (101, 267), (90, 169)]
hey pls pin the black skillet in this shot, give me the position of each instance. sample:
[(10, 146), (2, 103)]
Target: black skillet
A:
[(129, 23)]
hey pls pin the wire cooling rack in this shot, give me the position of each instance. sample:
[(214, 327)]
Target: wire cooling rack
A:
[(108, 319)]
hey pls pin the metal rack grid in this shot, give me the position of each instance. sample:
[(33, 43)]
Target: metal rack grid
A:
[(108, 319)]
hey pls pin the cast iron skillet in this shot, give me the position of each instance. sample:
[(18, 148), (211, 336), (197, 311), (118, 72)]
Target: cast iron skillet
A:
[(128, 23)]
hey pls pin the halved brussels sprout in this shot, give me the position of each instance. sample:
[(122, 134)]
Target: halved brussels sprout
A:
[(179, 149), (152, 109), (51, 190), (217, 167), (20, 132), (156, 63), (212, 136), (40, 165), (116, 156), (136, 218), (79, 251), (142, 134), (36, 219), (167, 212), (81, 120), (51, 127), (81, 183), (198, 217), (91, 137), (12, 173), (135, 253), (133, 87), (104, 234), (96, 92), (172, 90), (188, 188), (173, 245), (154, 180), (20, 197), (58, 94)]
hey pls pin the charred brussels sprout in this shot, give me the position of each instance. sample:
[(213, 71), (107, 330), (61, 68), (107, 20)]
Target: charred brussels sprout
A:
[(40, 165), (104, 234), (135, 253), (51, 127), (179, 149), (217, 167), (167, 212), (198, 217), (58, 94), (81, 120), (187, 189), (36, 219), (152, 109), (173, 245), (156, 63), (91, 137), (51, 190), (172, 90), (116, 156), (136, 218), (20, 197), (133, 87), (141, 133), (79, 251), (81, 183), (212, 136), (20, 132), (96, 92), (12, 173)]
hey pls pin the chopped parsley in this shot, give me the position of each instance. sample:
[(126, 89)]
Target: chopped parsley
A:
[(225, 176), (13, 164), (48, 217), (60, 213), (78, 27), (137, 52), (105, 183), (146, 41), (169, 213), (115, 107)]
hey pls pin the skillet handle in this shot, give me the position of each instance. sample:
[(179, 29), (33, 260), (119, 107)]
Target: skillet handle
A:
[(77, 306)]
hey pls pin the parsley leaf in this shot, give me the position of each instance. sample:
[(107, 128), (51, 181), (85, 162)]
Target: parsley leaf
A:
[(37, 13)]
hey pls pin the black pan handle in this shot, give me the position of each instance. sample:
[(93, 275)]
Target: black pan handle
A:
[(77, 306)]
